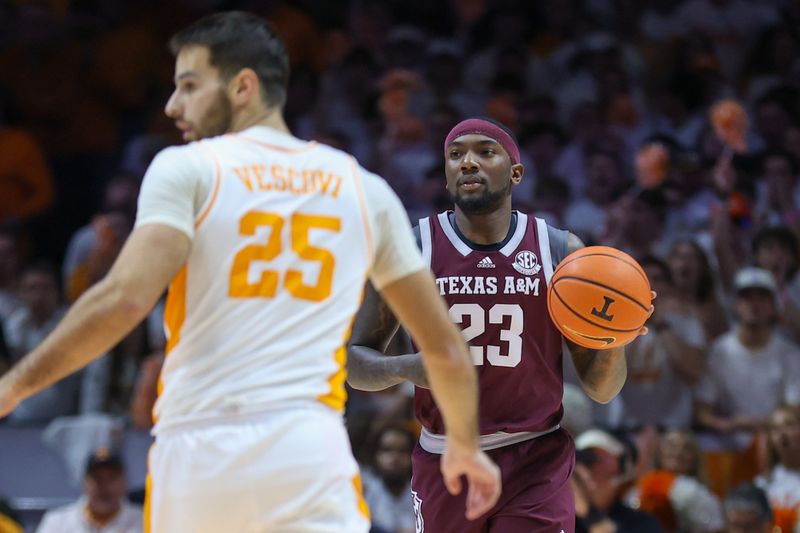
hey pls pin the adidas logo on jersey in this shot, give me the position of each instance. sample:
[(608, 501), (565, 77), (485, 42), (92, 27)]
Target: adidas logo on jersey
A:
[(485, 263)]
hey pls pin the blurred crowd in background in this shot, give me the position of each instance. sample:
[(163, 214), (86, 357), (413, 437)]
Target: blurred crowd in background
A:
[(611, 101)]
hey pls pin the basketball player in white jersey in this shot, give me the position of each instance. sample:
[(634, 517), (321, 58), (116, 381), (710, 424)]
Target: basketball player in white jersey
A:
[(267, 241)]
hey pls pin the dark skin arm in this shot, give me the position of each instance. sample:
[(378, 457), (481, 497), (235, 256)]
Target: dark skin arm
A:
[(367, 366), (602, 372)]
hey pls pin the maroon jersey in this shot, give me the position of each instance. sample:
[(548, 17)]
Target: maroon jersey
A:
[(498, 296)]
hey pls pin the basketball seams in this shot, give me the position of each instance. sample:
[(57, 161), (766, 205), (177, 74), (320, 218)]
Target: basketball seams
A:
[(598, 284), (635, 266), (598, 273), (577, 314)]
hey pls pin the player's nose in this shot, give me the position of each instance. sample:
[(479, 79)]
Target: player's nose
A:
[(469, 164), (172, 109)]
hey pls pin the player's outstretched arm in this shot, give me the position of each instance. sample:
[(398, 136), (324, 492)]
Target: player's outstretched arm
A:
[(367, 366), (103, 315), (415, 300)]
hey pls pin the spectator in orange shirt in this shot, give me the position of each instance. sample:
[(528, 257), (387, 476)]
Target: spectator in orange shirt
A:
[(26, 186)]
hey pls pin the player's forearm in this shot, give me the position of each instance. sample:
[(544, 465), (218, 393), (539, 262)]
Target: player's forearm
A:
[(416, 302), (93, 325), (371, 370), (602, 372)]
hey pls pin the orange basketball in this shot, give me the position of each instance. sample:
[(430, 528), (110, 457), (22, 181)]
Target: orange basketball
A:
[(599, 297)]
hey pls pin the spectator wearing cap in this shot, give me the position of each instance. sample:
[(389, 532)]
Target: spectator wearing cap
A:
[(102, 508), (751, 371), (747, 510), (604, 471)]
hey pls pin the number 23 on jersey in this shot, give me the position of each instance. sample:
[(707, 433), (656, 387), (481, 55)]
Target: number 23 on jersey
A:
[(477, 326), (266, 286)]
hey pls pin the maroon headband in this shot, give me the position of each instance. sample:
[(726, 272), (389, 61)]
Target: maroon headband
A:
[(484, 127)]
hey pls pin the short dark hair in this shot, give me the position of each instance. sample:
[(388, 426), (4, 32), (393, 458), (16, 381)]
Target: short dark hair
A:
[(752, 498), (238, 40), (104, 458), (652, 260), (378, 432), (781, 235)]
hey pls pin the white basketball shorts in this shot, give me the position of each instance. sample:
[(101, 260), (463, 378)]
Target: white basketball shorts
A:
[(280, 472)]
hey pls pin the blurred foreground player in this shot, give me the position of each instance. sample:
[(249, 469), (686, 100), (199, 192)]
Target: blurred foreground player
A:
[(267, 241), (492, 266)]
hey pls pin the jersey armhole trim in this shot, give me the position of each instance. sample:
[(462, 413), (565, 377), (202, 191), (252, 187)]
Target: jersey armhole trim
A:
[(425, 239), (308, 147), (362, 205), (544, 248), (212, 198)]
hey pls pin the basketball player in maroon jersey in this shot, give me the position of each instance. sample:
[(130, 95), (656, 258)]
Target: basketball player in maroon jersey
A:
[(492, 266)]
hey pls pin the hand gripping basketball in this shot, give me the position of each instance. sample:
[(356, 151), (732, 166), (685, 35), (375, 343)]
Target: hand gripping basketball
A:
[(600, 298)]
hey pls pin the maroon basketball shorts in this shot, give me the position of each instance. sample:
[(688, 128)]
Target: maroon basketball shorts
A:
[(536, 497)]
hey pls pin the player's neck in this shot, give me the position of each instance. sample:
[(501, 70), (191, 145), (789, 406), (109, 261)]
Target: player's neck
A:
[(484, 228), (270, 118)]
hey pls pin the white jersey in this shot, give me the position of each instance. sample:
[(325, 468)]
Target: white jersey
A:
[(284, 235)]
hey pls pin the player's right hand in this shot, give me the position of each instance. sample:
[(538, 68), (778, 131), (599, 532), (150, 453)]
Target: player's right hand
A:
[(483, 478)]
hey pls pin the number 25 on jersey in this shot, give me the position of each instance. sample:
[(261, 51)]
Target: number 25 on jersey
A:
[(267, 285)]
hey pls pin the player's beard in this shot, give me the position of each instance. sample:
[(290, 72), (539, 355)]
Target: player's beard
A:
[(218, 119), (485, 203)]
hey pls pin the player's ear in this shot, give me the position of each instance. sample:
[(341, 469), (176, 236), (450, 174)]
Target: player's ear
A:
[(243, 87), (516, 173)]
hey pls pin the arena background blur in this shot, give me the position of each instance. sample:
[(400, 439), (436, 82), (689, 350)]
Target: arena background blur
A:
[(611, 101)]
